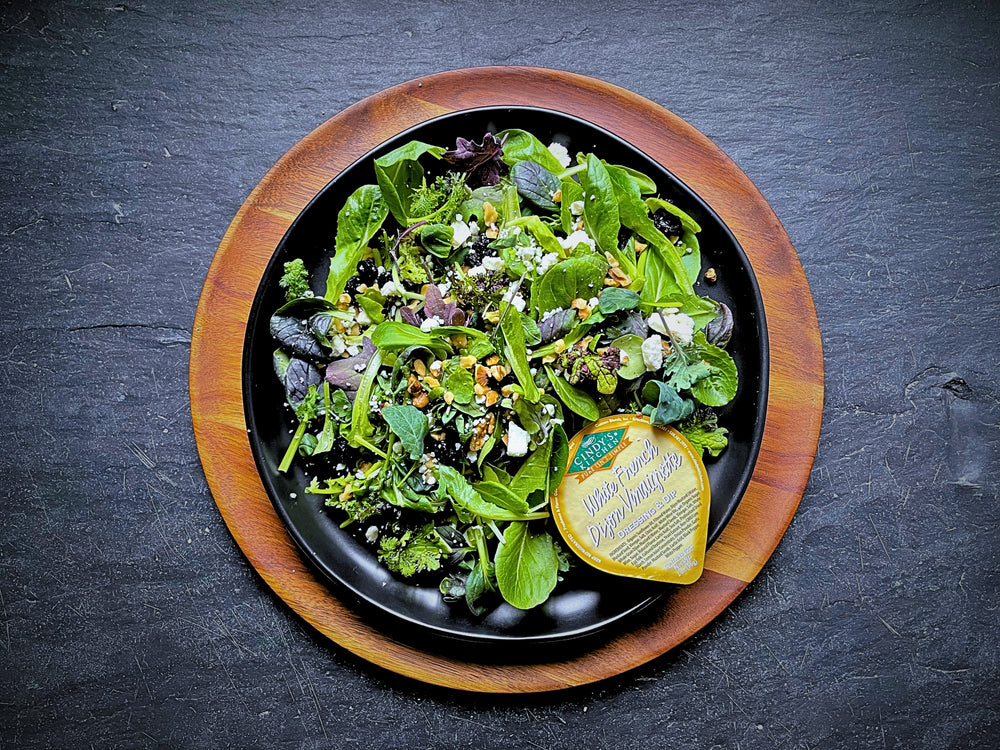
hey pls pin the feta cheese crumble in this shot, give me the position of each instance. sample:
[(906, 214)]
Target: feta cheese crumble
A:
[(578, 237), (652, 352), (675, 324), (517, 440), (560, 152)]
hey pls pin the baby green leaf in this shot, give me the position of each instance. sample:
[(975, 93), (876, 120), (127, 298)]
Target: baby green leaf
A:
[(703, 430), (612, 300), (502, 496), (571, 192), (520, 145), (559, 458), (357, 222), (527, 566), (577, 400), (535, 183), (635, 366), (399, 174), (667, 405), (410, 426), (464, 496), (581, 276), (534, 472), (600, 208), (436, 239), (515, 352), (719, 386)]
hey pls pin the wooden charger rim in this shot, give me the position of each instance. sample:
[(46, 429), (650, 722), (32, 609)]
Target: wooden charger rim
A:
[(794, 408)]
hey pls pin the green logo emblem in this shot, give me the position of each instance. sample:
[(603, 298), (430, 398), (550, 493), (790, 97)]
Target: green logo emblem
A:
[(593, 448)]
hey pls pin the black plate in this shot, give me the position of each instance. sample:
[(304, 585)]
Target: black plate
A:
[(588, 601)]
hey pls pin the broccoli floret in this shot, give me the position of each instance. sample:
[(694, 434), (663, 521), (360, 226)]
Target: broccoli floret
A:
[(295, 281), (413, 552)]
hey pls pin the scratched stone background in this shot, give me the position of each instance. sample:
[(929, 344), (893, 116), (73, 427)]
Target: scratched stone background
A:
[(132, 132)]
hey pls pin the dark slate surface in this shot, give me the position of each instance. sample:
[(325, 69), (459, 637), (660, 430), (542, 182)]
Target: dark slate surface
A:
[(131, 133)]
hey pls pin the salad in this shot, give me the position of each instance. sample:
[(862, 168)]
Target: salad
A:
[(482, 303)]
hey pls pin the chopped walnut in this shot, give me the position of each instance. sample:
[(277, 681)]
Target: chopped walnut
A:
[(482, 432)]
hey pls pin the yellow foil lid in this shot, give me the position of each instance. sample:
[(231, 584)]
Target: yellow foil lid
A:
[(634, 501)]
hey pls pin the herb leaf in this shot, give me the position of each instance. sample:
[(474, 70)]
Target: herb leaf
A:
[(410, 425)]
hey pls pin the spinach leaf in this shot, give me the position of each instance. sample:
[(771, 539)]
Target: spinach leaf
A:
[(578, 401), (689, 224), (399, 174), (689, 253), (612, 300), (480, 588), (410, 425), (516, 353), (357, 222), (521, 145), (643, 182), (324, 441), (535, 183), (581, 276), (600, 209), (527, 566), (532, 333), (661, 269), (361, 426), (372, 307)]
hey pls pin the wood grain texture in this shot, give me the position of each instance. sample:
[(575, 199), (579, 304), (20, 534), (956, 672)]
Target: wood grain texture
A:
[(796, 376)]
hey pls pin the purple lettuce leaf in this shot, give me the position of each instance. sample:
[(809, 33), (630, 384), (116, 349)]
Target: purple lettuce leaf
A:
[(346, 373)]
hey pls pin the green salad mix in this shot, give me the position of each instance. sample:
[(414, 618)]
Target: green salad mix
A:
[(481, 304)]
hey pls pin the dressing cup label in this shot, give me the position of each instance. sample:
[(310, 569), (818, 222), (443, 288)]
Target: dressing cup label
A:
[(634, 501)]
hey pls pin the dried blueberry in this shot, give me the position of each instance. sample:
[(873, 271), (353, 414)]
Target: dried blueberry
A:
[(667, 223)]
